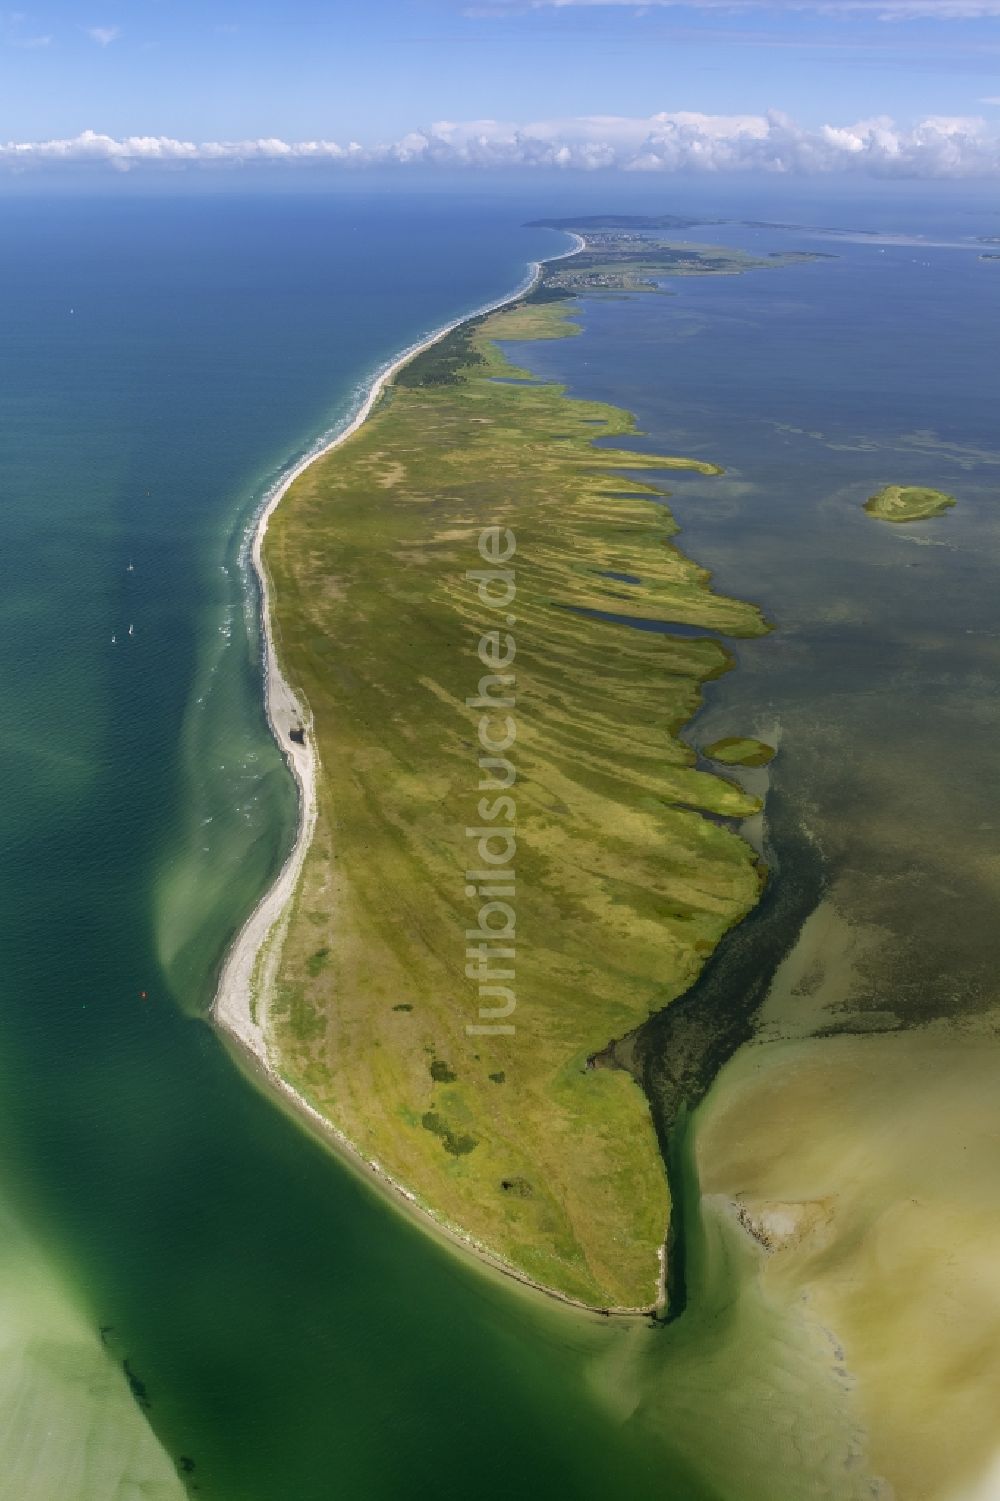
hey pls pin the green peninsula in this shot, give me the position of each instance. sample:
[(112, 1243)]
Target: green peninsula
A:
[(739, 750), (516, 858), (619, 261), (908, 503)]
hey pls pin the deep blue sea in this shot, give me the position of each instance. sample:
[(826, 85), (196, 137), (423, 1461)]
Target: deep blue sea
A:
[(290, 1337)]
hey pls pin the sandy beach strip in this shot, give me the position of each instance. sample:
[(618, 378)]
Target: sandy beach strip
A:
[(233, 1008)]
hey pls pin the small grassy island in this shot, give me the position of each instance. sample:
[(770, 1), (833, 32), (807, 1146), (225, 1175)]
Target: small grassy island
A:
[(908, 503), (458, 564), (739, 750)]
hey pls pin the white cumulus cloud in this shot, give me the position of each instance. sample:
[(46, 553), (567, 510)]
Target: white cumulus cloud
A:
[(681, 141), (104, 35)]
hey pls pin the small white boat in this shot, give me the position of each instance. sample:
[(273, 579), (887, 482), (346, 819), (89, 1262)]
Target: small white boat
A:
[(131, 567), (131, 629), (113, 640)]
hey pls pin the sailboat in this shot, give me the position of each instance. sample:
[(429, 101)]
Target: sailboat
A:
[(131, 567)]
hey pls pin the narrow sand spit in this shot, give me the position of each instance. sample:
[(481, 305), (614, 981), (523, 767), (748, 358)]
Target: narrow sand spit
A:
[(234, 1009)]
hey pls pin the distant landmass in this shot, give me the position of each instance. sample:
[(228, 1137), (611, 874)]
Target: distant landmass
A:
[(584, 222), (621, 258), (622, 221)]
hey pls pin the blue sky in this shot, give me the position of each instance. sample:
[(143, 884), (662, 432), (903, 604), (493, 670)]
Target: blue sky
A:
[(374, 70)]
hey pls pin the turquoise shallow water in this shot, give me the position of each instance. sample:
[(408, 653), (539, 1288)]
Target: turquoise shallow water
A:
[(161, 361)]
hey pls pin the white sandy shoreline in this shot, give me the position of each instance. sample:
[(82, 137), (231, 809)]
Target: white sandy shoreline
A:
[(232, 1008)]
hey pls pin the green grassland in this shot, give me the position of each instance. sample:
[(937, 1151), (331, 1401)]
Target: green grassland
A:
[(623, 886), (908, 503), (738, 750)]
